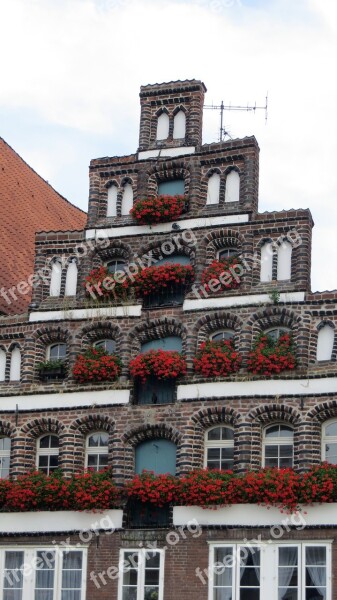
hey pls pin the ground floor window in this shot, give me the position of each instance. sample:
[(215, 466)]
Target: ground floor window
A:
[(42, 574), (294, 571), (141, 575)]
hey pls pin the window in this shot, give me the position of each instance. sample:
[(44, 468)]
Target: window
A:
[(180, 259), (325, 341), (171, 342), (111, 210), (108, 345), (71, 279), (42, 574), (226, 253), (278, 446), (213, 189), (117, 264), (289, 571), (224, 334), (266, 269), (55, 279), (57, 352), (163, 126), (276, 332), (156, 455), (179, 125), (174, 187), (141, 575), (15, 366), (219, 448), (2, 365), (330, 442), (284, 253), (5, 455), (47, 459), (127, 199), (232, 193), (97, 451)]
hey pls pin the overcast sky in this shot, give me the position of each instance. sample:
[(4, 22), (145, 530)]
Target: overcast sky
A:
[(71, 72)]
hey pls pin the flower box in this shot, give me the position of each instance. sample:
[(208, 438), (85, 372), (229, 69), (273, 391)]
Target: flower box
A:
[(271, 356), (222, 275), (161, 364), (161, 209), (217, 359), (97, 365), (52, 370), (102, 285)]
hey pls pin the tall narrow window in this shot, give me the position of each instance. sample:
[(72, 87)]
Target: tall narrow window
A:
[(47, 456), (112, 201), (71, 279), (13, 575), (278, 446), (284, 253), (163, 126), (156, 455), (97, 451), (127, 199), (213, 189), (325, 341), (15, 368), (232, 193), (219, 448), (179, 125), (5, 454), (141, 575), (55, 279), (2, 365), (330, 442), (266, 272)]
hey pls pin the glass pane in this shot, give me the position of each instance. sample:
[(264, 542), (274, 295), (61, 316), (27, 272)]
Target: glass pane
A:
[(172, 188), (213, 453), (315, 576), (271, 462), (222, 335), (54, 441), (5, 443), (71, 579), (44, 579), (44, 595), (227, 453), (331, 429), (249, 594), (130, 577), (103, 460), (286, 431), (72, 560), (129, 594), (215, 433), (12, 595), (227, 433), (271, 451), (54, 460), (151, 593), (285, 463), (287, 593), (152, 560), (331, 453), (287, 556), (222, 594), (248, 576), (71, 595), (92, 460), (315, 555), (44, 441), (286, 451), (152, 577)]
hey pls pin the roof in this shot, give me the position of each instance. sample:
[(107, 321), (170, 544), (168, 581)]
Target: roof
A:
[(27, 204)]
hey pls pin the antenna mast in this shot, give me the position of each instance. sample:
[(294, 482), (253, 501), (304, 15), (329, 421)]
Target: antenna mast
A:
[(248, 108)]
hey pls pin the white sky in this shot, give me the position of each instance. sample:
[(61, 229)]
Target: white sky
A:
[(71, 72)]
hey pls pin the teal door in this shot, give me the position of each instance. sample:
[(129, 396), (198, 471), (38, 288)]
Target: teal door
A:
[(156, 455), (175, 187)]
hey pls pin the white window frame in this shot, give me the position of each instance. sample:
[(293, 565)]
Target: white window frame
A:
[(95, 449), (276, 441), (216, 443), (30, 561), (141, 570), (5, 453), (46, 452), (268, 566), (327, 439)]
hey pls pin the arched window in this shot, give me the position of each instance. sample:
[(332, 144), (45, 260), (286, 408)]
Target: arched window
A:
[(57, 352), (266, 269), (219, 448), (108, 345), (223, 334), (71, 279), (97, 451), (284, 253), (232, 193), (226, 253), (278, 446), (163, 126), (213, 189), (156, 455), (15, 367), (173, 187), (55, 279), (179, 125), (5, 455), (325, 341), (116, 264), (276, 332), (127, 199), (47, 456), (2, 365), (329, 442), (111, 210)]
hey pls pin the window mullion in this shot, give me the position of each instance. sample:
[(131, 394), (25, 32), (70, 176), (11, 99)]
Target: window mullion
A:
[(141, 575), (2, 570), (161, 574), (58, 573)]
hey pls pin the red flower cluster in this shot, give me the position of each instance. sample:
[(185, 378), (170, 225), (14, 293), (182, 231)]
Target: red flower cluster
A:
[(104, 285), (149, 280), (158, 210), (221, 275), (96, 365), (283, 488), (162, 364), (270, 356), (217, 359), (37, 491)]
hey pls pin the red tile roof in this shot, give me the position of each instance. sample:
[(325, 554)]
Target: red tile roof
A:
[(27, 204)]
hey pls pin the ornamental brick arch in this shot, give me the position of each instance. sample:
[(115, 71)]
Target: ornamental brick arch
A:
[(269, 414), (166, 171), (212, 322), (27, 438), (316, 418), (99, 330), (81, 428), (316, 327), (8, 430), (115, 249), (221, 239), (156, 329), (45, 337), (167, 247), (135, 436)]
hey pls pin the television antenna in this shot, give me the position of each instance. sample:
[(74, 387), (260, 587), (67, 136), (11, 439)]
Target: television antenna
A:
[(248, 108)]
